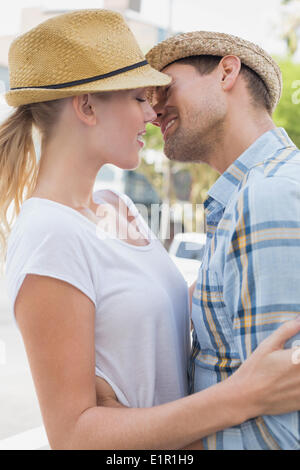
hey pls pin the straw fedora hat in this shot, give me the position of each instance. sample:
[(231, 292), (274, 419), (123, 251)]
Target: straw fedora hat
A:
[(84, 51), (219, 44)]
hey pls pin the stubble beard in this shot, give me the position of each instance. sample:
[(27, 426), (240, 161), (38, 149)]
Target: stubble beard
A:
[(194, 144)]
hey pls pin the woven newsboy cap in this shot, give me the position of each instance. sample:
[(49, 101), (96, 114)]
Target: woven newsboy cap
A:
[(219, 44), (84, 51)]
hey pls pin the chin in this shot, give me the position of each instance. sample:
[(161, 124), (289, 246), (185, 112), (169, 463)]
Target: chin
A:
[(171, 154), (130, 164)]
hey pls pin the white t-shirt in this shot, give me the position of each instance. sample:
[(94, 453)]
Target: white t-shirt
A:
[(142, 340)]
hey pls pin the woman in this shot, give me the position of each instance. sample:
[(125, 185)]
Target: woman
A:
[(86, 298)]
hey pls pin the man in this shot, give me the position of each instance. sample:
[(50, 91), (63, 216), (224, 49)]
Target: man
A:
[(218, 110)]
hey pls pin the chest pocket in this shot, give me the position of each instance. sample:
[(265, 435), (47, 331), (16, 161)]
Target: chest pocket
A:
[(213, 325)]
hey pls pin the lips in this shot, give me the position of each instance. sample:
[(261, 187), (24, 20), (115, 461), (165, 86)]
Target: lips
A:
[(140, 138), (140, 141), (166, 125)]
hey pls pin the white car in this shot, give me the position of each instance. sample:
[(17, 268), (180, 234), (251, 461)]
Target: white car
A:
[(110, 177), (187, 250)]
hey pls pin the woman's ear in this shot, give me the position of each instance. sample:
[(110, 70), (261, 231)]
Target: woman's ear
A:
[(230, 68), (84, 109)]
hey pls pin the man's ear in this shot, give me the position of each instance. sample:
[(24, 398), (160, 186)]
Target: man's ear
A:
[(230, 67), (85, 109)]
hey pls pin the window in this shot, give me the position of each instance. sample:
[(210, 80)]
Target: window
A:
[(190, 250)]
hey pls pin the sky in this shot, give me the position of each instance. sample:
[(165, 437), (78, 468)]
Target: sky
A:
[(255, 20)]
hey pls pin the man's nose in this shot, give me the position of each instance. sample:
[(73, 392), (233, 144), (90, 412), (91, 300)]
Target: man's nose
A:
[(150, 114)]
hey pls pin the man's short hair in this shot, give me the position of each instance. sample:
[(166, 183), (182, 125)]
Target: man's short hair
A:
[(205, 64)]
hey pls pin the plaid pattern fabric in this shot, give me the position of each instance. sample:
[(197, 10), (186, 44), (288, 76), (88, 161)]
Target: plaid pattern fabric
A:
[(249, 280)]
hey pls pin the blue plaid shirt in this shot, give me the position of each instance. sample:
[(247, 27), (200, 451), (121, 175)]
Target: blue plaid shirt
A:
[(249, 280)]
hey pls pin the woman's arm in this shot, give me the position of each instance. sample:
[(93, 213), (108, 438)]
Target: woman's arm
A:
[(57, 324), (107, 397)]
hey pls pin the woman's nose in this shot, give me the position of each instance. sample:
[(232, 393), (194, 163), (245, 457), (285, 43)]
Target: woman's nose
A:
[(157, 120), (150, 114)]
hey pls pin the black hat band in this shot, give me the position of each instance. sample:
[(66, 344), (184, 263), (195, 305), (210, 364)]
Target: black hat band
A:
[(87, 80)]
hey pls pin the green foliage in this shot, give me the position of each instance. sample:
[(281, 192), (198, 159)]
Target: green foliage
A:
[(287, 113), (153, 138), (291, 28), (203, 178)]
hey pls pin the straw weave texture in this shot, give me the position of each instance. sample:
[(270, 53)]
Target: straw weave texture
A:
[(74, 46), (219, 44)]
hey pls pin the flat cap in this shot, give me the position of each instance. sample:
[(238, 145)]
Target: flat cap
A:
[(219, 44)]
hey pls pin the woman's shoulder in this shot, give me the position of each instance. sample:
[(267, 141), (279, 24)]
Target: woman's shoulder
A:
[(41, 217), (47, 240), (46, 231)]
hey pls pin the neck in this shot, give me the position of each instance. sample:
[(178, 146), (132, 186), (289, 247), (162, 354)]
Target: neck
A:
[(239, 134), (66, 176)]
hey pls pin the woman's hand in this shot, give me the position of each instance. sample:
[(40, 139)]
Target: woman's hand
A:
[(271, 375), (105, 394), (107, 397), (191, 292)]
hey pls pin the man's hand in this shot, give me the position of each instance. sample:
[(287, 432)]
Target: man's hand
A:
[(105, 394), (271, 374)]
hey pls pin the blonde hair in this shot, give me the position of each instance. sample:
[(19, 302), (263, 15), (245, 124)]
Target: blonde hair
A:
[(18, 161)]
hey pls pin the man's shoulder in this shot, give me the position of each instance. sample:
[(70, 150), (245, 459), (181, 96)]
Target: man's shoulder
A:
[(282, 163), (271, 188), (280, 170)]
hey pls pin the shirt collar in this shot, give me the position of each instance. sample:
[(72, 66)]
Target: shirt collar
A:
[(264, 147)]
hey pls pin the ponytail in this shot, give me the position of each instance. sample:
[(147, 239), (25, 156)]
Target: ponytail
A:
[(18, 163), (18, 168)]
